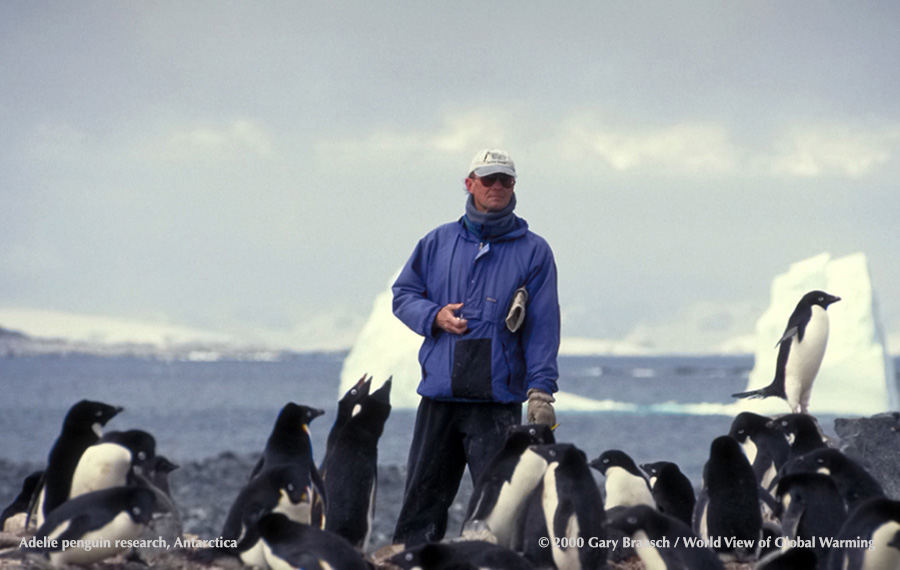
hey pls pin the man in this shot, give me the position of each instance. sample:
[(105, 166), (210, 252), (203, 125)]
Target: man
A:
[(482, 291)]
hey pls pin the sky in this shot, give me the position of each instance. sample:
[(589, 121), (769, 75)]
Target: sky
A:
[(262, 169)]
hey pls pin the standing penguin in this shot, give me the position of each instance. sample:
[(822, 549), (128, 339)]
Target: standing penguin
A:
[(626, 485), (101, 519), (82, 427), (572, 508), (500, 495), (766, 447), (289, 444), (672, 490), (802, 347), (351, 480), (729, 504)]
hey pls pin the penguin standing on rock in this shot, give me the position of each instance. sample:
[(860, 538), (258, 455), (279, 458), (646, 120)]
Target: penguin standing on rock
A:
[(800, 353)]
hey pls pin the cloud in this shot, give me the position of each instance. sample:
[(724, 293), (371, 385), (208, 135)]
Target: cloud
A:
[(681, 148), (816, 151), (457, 132), (230, 141)]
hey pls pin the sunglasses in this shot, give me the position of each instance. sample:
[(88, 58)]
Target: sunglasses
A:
[(506, 180)]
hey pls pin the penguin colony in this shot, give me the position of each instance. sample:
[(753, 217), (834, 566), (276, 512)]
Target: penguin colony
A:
[(774, 494)]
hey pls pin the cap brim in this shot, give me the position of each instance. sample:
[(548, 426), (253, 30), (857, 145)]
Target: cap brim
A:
[(494, 169)]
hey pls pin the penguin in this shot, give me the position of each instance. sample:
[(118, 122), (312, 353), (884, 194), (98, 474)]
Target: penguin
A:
[(463, 555), (348, 406), (289, 444), (351, 481), (802, 432), (809, 506), (283, 489), (765, 447), (102, 519), (82, 427), (729, 503), (672, 490), (23, 499), (289, 441), (112, 461), (572, 508), (159, 473), (289, 544), (665, 542), (868, 539), (800, 353), (854, 483), (499, 495), (626, 485)]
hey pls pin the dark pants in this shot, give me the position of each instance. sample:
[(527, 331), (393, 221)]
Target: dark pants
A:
[(448, 435)]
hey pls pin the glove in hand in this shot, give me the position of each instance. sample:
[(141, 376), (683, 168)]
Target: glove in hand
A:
[(540, 408)]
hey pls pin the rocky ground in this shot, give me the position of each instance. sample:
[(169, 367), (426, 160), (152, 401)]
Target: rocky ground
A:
[(203, 492)]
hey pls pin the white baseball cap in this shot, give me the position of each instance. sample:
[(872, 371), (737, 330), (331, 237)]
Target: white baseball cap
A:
[(492, 161)]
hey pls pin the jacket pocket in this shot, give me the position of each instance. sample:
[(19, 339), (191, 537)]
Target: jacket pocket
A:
[(471, 375)]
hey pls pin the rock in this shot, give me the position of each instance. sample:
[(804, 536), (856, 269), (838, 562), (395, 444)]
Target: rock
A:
[(875, 443)]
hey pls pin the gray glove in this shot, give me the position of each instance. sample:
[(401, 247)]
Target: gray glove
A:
[(540, 408), (516, 316)]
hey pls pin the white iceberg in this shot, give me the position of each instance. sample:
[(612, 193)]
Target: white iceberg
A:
[(857, 373)]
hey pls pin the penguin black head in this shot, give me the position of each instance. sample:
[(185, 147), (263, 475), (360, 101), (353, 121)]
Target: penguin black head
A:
[(89, 414), (274, 527), (141, 444), (615, 458), (633, 519), (746, 424), (820, 298), (560, 453), (535, 434), (141, 503), (801, 431), (383, 394), (294, 415)]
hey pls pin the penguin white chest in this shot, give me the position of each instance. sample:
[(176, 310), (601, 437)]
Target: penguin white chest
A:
[(804, 360)]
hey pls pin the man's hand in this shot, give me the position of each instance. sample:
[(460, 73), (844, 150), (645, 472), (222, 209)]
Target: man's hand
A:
[(540, 408), (447, 320)]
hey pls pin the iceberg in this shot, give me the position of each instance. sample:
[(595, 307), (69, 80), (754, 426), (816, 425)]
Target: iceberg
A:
[(857, 373)]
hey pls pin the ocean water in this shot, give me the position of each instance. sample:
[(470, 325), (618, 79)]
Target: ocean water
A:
[(197, 410)]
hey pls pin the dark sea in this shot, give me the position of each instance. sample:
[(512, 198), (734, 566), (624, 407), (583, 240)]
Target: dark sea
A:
[(199, 409)]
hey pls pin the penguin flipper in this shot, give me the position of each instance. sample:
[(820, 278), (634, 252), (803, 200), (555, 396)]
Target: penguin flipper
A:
[(789, 333)]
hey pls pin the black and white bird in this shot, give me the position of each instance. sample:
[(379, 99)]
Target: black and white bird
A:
[(800, 353)]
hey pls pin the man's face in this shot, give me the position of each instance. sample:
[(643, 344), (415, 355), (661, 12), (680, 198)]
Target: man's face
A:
[(490, 193)]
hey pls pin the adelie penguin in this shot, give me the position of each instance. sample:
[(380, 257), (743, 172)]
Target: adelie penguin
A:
[(289, 544), (351, 479), (499, 496), (101, 519), (672, 490), (766, 447), (82, 427), (626, 485), (800, 352)]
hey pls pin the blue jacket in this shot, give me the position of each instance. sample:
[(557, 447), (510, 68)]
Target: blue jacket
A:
[(487, 362)]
